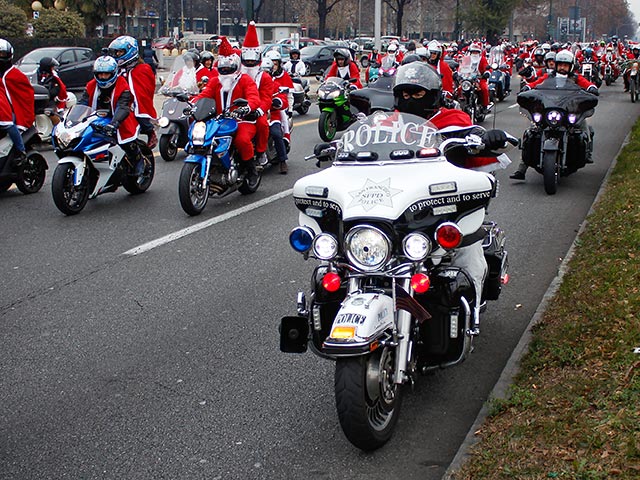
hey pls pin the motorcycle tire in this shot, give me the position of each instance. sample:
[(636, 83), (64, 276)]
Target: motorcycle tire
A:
[(246, 189), (193, 198), (367, 410), (137, 184), (69, 199), (31, 175), (328, 125), (607, 80), (632, 91), (550, 172), (303, 109), (168, 152)]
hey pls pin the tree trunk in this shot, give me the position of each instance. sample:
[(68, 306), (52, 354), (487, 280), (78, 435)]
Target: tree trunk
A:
[(399, 16), (322, 18)]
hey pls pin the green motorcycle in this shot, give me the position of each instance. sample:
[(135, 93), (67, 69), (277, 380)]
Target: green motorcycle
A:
[(335, 111)]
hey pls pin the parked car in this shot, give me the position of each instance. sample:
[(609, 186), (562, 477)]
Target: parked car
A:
[(163, 42), (318, 58), (76, 64), (304, 41), (283, 48)]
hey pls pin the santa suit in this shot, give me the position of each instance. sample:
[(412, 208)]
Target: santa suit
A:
[(19, 93), (129, 127), (346, 73), (483, 66), (579, 79), (266, 87), (446, 74), (237, 85), (206, 72), (283, 88), (142, 83), (6, 114)]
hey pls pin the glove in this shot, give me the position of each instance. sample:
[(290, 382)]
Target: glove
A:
[(494, 139), (525, 88), (276, 103), (242, 111), (252, 116), (593, 89), (110, 129)]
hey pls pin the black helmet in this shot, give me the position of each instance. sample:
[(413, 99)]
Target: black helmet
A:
[(189, 56), (412, 79), (412, 57), (294, 51), (342, 53), (196, 56), (206, 55), (6, 53), (47, 64)]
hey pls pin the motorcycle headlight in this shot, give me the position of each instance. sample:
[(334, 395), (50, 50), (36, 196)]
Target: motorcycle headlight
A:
[(466, 85), (65, 137), (329, 94), (325, 246), (198, 133), (368, 248), (554, 117), (163, 122), (416, 246), (572, 118), (537, 117)]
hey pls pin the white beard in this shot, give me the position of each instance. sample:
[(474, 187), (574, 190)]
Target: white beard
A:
[(251, 71), (227, 81)]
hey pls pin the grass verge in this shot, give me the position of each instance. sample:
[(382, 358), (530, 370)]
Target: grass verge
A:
[(573, 410)]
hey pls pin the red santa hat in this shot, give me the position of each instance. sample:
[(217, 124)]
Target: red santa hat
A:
[(225, 49), (251, 46)]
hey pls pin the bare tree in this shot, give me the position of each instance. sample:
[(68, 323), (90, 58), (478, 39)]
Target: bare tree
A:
[(398, 7)]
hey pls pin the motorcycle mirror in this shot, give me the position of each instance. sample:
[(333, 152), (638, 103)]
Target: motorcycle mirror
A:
[(353, 80), (182, 97), (240, 102)]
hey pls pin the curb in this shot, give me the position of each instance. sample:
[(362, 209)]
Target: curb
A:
[(500, 389)]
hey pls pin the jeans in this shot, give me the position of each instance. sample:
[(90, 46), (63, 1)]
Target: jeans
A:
[(15, 136), (278, 141)]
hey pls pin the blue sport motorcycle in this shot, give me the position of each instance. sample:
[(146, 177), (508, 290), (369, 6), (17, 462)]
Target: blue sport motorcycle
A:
[(211, 167), (91, 161)]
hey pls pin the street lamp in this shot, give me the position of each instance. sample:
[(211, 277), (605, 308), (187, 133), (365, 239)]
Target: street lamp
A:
[(36, 7)]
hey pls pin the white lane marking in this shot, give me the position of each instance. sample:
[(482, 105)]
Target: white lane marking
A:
[(145, 247), (513, 106)]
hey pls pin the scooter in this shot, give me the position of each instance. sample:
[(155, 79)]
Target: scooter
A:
[(301, 101), (29, 176)]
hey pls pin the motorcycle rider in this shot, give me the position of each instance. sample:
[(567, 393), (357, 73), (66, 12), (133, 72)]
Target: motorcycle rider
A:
[(18, 92), (207, 71), (434, 58), (110, 91), (634, 54), (142, 83), (279, 101), (344, 68), (250, 60), (418, 91), (550, 62), (47, 77), (283, 85), (231, 84), (294, 66), (564, 67), (478, 57)]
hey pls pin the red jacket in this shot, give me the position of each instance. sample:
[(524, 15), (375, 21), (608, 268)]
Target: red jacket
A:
[(282, 85), (579, 79), (142, 83), (446, 73), (19, 92), (128, 128), (6, 113), (354, 72), (243, 86), (61, 99), (266, 87)]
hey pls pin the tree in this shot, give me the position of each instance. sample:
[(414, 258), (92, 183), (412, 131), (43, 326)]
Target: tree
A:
[(488, 17), (13, 21), (398, 7), (324, 9), (54, 23)]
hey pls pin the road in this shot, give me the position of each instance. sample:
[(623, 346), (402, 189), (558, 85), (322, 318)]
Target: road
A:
[(166, 364)]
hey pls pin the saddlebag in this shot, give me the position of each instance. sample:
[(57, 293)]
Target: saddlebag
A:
[(496, 257), (531, 145), (576, 151)]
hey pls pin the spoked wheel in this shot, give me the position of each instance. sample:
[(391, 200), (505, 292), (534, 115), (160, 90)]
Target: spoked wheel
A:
[(168, 151), (136, 184), (31, 174), (328, 125), (367, 399), (550, 172), (69, 198), (193, 196)]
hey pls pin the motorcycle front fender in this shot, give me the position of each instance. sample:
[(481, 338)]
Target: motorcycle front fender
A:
[(551, 145), (200, 159), (79, 165), (361, 321), (169, 129)]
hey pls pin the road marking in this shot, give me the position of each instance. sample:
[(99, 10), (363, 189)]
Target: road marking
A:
[(145, 247), (305, 122), (513, 106)]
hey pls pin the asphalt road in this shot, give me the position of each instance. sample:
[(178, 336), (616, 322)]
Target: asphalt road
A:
[(166, 364)]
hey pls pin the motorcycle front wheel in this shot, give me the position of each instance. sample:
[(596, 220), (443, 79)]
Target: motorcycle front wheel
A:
[(632, 90), (168, 151), (193, 197), (328, 125), (303, 109), (69, 198), (550, 172), (367, 399), (31, 174)]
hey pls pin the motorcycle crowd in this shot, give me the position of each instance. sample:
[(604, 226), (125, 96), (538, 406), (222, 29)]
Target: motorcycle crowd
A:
[(397, 221)]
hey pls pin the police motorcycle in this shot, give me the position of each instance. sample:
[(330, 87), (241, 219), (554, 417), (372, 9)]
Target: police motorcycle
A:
[(173, 123), (386, 302), (498, 81), (91, 161), (334, 103), (556, 144), (211, 168), (468, 79), (378, 95), (29, 175)]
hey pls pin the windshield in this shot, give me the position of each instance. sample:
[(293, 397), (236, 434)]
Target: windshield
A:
[(181, 79), (496, 56), (333, 82), (557, 92), (35, 56), (310, 50), (468, 67), (391, 135), (77, 114)]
